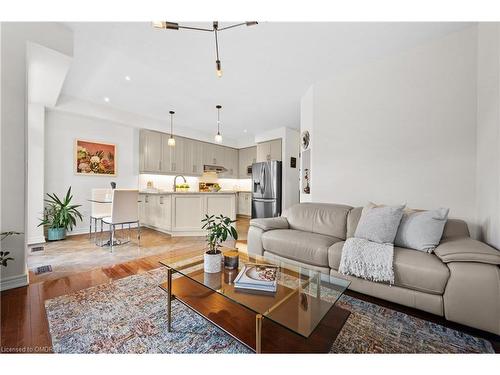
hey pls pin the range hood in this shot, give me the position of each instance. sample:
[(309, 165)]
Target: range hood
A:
[(214, 168)]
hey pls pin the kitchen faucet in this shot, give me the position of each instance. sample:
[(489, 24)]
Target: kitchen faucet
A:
[(175, 181)]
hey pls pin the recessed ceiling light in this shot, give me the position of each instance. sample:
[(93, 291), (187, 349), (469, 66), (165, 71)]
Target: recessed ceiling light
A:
[(127, 78), (106, 99), (244, 130)]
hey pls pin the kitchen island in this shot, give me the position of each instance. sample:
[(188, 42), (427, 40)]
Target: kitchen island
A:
[(180, 213)]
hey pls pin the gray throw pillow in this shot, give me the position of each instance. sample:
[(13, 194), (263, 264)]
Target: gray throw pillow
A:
[(379, 224), (421, 230)]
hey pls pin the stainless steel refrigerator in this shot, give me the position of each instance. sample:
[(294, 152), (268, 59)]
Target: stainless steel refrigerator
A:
[(266, 189)]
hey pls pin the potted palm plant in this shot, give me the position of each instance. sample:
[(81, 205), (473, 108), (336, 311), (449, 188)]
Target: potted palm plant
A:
[(219, 228), (60, 215)]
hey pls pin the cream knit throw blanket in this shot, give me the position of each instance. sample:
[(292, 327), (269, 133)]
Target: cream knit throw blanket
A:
[(368, 260)]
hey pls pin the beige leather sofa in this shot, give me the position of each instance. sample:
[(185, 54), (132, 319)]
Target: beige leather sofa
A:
[(460, 280)]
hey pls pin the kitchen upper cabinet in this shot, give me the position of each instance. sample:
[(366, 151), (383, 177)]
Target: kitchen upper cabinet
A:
[(214, 154), (208, 154), (172, 156), (270, 150), (230, 163), (220, 156), (150, 151), (187, 156), (247, 156), (193, 157), (177, 156)]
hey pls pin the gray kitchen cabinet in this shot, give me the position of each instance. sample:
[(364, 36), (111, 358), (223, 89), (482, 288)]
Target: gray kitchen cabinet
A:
[(209, 154), (213, 154), (247, 156), (193, 157), (244, 203), (220, 155), (173, 156), (230, 163), (188, 156), (150, 151), (270, 150)]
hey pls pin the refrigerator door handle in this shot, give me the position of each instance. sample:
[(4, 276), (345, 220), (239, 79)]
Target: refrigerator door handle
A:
[(264, 199), (262, 180)]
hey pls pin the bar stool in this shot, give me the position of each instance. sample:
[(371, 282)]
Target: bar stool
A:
[(124, 210)]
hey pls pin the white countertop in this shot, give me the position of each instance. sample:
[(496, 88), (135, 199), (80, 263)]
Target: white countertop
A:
[(187, 192)]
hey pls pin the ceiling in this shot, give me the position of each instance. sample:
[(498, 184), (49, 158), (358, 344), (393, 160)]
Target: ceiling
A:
[(267, 68)]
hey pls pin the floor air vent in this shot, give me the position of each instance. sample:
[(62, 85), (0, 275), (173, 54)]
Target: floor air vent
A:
[(37, 248), (43, 269)]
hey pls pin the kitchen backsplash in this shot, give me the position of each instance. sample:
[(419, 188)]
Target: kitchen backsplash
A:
[(164, 182)]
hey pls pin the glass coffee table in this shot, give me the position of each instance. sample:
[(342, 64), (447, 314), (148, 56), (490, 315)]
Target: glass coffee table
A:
[(301, 316)]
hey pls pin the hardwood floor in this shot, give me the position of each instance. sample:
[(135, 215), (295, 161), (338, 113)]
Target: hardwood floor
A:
[(24, 326), (79, 253)]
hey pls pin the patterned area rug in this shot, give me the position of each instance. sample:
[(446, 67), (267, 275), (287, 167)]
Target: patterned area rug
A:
[(129, 316)]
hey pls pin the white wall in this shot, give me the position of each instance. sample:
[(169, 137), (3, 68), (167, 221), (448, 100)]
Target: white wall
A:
[(108, 112), (400, 130), (60, 133), (488, 133), (15, 36)]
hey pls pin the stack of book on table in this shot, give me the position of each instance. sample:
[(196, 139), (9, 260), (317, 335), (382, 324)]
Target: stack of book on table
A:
[(261, 277)]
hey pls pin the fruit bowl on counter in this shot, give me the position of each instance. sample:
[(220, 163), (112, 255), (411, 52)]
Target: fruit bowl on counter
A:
[(182, 187), (214, 188)]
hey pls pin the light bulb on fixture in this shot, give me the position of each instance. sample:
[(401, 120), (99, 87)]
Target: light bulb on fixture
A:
[(215, 29), (218, 136), (171, 140), (219, 68)]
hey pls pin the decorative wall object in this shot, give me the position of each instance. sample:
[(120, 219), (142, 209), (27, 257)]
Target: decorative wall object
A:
[(306, 138), (95, 158)]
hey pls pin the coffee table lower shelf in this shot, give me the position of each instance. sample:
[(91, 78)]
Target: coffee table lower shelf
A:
[(241, 323)]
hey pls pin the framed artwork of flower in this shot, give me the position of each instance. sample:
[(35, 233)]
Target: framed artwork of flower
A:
[(95, 158)]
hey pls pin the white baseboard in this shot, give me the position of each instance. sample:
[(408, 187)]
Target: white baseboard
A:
[(14, 282), (36, 240)]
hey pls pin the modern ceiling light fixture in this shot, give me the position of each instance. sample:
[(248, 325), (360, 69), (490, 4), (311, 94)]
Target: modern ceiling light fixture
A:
[(171, 140), (215, 29), (218, 136)]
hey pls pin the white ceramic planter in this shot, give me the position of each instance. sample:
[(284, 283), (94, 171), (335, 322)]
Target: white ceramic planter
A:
[(212, 263)]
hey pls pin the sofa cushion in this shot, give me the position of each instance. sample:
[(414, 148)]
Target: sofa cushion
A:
[(455, 228), (270, 223), (305, 247), (322, 218), (352, 221), (466, 249), (414, 270)]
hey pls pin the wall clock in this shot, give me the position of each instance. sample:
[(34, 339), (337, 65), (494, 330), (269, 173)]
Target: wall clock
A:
[(305, 139)]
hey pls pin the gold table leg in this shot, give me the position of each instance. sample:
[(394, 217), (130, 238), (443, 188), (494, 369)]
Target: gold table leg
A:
[(169, 299), (258, 333)]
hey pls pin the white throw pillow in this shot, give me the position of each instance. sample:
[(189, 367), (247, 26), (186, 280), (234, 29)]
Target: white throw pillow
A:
[(379, 223), (421, 230)]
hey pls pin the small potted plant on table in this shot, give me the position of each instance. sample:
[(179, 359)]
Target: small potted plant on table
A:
[(219, 228), (60, 215)]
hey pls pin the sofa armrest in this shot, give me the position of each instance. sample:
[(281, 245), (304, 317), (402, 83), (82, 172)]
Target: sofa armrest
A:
[(270, 223), (465, 249)]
